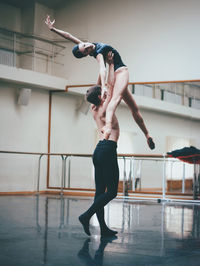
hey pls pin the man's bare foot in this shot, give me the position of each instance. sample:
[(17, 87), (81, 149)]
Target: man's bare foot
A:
[(151, 143), (106, 130), (85, 223)]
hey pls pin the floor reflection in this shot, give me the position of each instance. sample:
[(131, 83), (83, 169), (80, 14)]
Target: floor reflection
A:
[(48, 229), (84, 253)]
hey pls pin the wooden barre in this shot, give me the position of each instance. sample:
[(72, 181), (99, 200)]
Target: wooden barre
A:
[(135, 83), (87, 155)]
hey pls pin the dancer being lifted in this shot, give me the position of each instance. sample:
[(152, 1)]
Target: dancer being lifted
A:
[(121, 79)]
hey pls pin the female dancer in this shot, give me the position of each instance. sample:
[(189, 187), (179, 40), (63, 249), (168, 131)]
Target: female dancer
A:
[(121, 79)]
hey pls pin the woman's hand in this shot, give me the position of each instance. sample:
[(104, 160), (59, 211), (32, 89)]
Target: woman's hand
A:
[(49, 23), (109, 58)]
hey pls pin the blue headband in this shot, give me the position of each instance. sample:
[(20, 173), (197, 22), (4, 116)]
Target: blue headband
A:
[(76, 52)]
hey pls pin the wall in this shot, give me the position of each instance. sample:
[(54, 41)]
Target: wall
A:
[(157, 39), (23, 128), (75, 132)]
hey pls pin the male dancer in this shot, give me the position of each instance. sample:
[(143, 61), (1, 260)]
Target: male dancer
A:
[(104, 157)]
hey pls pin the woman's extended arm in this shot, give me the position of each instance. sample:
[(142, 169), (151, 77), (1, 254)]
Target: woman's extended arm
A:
[(102, 74), (62, 33)]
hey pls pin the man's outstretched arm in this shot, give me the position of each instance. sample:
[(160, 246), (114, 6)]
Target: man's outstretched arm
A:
[(110, 80), (111, 72)]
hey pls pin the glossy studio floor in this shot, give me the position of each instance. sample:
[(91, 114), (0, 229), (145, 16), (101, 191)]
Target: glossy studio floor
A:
[(44, 230)]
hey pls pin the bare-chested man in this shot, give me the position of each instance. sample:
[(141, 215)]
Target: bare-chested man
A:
[(104, 157)]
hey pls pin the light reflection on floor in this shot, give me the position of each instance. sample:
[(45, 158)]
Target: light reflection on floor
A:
[(45, 231)]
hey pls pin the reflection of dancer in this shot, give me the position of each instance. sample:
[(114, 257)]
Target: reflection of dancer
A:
[(85, 256), (121, 79), (104, 158)]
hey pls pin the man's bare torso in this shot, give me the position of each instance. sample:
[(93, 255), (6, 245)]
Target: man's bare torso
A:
[(100, 119)]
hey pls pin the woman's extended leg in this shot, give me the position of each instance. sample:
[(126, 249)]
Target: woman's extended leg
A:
[(129, 100), (121, 83)]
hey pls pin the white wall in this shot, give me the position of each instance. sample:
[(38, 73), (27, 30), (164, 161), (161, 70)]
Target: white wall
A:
[(22, 128), (74, 132), (25, 129), (157, 39)]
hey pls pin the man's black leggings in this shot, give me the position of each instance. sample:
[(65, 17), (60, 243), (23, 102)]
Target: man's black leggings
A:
[(106, 178)]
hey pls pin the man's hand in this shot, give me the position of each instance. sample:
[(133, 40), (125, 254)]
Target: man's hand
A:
[(49, 23), (106, 130), (104, 93), (109, 58)]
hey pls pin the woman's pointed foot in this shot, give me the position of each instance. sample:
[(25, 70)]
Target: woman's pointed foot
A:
[(151, 143)]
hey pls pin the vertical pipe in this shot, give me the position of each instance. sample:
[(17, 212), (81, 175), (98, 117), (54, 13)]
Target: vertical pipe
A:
[(183, 180), (130, 170), (183, 94), (49, 138), (133, 185), (162, 94), (38, 180), (194, 182), (33, 62), (140, 173), (14, 50), (53, 60), (64, 184), (164, 177), (175, 92), (69, 172), (124, 190), (62, 175), (154, 91)]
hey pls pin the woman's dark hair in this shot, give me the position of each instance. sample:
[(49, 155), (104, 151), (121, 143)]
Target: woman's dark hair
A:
[(76, 52), (92, 95)]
